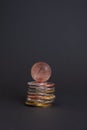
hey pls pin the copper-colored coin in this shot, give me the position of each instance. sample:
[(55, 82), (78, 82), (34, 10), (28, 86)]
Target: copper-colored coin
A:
[(41, 97), (40, 72)]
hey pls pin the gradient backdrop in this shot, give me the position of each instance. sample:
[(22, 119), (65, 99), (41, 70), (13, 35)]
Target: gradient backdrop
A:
[(54, 31)]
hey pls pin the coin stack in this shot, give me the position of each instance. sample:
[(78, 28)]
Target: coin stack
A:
[(40, 94), (40, 91)]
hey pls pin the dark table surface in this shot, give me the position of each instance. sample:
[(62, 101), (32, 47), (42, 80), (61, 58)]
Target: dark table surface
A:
[(68, 113)]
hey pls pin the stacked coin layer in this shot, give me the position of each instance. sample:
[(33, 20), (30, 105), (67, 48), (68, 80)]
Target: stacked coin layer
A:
[(40, 94)]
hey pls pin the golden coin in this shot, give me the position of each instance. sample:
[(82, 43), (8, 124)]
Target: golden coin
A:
[(37, 104)]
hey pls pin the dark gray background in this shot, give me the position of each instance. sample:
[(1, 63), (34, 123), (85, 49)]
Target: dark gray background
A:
[(54, 31)]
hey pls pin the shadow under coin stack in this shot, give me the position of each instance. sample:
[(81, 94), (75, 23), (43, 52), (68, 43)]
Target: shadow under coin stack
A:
[(40, 93)]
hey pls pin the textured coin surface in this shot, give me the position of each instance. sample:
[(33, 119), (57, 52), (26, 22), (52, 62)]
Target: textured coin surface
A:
[(40, 72)]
